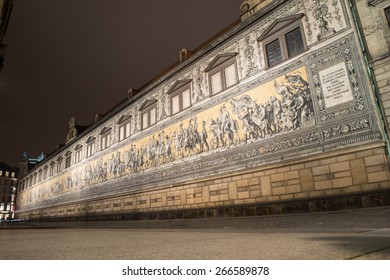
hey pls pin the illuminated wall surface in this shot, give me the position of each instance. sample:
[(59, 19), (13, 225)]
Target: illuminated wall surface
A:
[(316, 102)]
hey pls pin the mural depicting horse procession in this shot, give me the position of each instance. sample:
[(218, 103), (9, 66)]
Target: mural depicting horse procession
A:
[(279, 106)]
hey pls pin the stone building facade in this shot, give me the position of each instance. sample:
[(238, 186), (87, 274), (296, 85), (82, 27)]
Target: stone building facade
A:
[(373, 16), (276, 115), (8, 184)]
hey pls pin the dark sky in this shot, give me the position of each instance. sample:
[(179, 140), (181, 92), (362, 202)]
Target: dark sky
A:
[(78, 58)]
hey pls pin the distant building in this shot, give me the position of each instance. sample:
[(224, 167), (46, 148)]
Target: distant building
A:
[(5, 12), (8, 183), (373, 16), (284, 111)]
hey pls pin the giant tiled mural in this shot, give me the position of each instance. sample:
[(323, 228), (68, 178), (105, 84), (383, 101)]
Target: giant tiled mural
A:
[(313, 103), (277, 107)]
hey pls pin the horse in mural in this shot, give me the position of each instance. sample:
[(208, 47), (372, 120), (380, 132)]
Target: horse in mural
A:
[(184, 142)]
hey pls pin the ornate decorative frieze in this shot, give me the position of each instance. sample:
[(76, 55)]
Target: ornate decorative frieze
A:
[(324, 18), (346, 128), (335, 74)]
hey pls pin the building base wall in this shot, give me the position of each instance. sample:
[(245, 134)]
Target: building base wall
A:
[(354, 178)]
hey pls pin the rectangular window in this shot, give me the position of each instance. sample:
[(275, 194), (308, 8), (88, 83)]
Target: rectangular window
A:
[(216, 83), (145, 120), (180, 96), (387, 12), (294, 42), (52, 169), (104, 145), (149, 118), (149, 113), (128, 130), (231, 75), (280, 44), (78, 155), (175, 104), (59, 166), (153, 116), (106, 141), (90, 149), (274, 53), (222, 73), (124, 131), (68, 161), (186, 97)]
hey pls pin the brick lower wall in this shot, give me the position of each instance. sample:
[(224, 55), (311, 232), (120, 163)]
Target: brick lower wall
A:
[(326, 179)]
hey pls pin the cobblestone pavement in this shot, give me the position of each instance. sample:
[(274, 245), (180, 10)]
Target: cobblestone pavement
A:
[(358, 234)]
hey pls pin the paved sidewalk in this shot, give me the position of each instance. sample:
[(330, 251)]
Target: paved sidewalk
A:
[(359, 234)]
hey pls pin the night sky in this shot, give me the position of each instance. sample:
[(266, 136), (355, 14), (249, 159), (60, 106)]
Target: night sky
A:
[(79, 58)]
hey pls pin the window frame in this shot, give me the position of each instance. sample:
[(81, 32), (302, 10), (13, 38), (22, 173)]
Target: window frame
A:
[(52, 168), (268, 52), (68, 159), (221, 69), (387, 14), (45, 169), (178, 89), (91, 147), (35, 178), (105, 138), (124, 124), (59, 165), (40, 175), (78, 154), (270, 36), (146, 109)]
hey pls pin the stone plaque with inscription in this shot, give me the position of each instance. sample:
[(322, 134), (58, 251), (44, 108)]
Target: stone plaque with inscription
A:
[(336, 87)]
